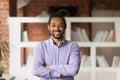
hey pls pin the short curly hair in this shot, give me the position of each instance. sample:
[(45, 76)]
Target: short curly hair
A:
[(59, 16)]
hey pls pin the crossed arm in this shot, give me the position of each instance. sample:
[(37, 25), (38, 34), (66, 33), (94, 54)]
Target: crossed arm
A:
[(56, 71)]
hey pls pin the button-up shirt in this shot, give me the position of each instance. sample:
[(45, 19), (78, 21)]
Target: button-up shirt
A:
[(63, 60)]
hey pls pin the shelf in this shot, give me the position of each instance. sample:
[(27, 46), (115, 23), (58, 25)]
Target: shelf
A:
[(83, 44), (98, 44), (106, 75), (108, 69), (91, 48), (85, 69), (28, 44), (108, 56)]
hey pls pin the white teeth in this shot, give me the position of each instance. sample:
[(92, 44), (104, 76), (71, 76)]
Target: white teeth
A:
[(57, 32)]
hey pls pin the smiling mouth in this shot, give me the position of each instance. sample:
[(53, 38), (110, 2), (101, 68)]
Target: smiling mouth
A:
[(57, 32)]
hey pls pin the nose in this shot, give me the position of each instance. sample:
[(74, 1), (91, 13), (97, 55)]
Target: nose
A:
[(57, 27)]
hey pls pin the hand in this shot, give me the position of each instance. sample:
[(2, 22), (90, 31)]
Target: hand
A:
[(48, 66), (61, 76)]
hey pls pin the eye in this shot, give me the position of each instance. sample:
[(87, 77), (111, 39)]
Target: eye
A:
[(61, 25), (53, 25)]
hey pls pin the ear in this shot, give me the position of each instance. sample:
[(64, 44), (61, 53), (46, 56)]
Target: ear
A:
[(48, 27)]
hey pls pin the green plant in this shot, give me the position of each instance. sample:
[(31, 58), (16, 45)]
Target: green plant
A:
[(4, 51), (2, 69)]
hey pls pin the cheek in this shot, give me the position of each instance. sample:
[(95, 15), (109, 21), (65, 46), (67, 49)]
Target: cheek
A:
[(62, 29), (49, 28)]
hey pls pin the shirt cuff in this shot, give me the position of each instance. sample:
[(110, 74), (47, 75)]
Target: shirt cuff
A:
[(55, 74), (53, 67)]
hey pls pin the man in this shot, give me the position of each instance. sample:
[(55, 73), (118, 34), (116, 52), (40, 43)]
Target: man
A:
[(56, 58)]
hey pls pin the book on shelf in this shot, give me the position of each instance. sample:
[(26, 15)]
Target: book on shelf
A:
[(104, 36), (85, 61), (79, 35), (101, 61), (29, 60), (116, 61), (105, 61), (119, 62), (24, 36), (98, 36), (110, 36), (85, 37)]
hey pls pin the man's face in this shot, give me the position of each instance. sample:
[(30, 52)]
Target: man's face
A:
[(57, 27)]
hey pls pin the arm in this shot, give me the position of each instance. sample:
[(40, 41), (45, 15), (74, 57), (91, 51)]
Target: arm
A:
[(72, 68), (39, 68)]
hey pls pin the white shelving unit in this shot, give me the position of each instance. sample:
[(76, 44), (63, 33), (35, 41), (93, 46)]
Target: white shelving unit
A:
[(16, 44)]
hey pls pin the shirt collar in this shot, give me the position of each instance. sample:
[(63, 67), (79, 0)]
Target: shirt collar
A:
[(53, 44)]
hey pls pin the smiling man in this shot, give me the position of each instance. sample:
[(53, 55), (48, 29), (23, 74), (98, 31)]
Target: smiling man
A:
[(56, 58)]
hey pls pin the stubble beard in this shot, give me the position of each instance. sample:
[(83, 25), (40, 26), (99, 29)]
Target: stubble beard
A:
[(59, 36)]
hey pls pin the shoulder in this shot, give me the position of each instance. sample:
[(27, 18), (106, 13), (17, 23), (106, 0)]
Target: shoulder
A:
[(72, 44), (42, 43), (74, 47)]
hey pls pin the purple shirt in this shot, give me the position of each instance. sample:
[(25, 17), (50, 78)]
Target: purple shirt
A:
[(63, 59)]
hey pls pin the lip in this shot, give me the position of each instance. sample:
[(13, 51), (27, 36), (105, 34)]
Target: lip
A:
[(56, 32)]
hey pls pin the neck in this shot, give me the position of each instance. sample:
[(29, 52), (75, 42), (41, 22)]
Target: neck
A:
[(57, 41)]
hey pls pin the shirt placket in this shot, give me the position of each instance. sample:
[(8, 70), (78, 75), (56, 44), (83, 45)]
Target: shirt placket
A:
[(57, 58), (57, 55)]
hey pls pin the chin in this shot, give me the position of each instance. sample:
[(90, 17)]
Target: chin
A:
[(58, 37)]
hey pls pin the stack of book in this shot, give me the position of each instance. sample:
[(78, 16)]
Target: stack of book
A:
[(85, 61), (104, 36), (79, 35), (101, 61)]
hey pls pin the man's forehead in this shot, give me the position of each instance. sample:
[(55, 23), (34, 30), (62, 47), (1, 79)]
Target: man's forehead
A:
[(57, 20)]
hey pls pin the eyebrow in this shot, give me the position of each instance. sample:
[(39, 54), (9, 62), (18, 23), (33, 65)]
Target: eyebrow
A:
[(55, 23)]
